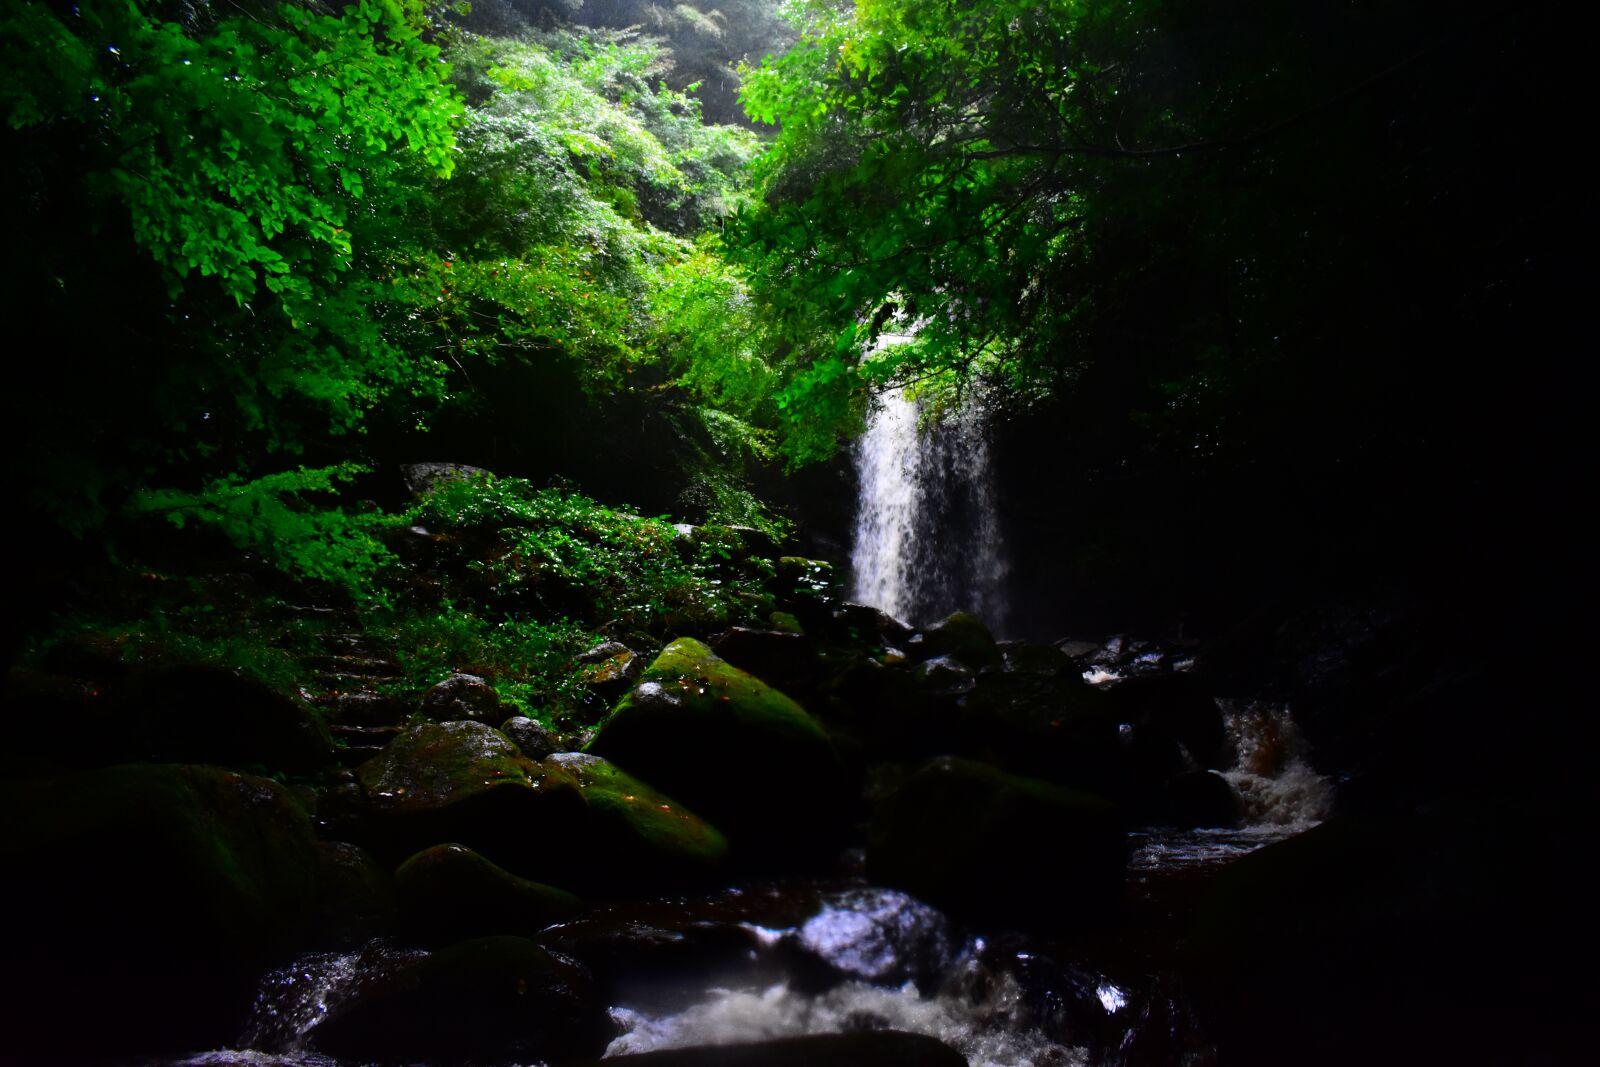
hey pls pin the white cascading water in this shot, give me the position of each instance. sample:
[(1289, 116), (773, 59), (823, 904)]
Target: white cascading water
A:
[(927, 534)]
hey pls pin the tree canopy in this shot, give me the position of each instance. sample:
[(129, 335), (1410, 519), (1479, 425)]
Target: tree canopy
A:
[(1227, 228)]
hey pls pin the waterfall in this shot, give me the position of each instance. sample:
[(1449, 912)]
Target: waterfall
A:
[(927, 533)]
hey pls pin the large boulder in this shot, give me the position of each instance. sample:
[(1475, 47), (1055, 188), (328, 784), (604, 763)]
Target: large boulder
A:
[(964, 636), (637, 838), (739, 752), (149, 897), (1051, 726), (208, 714), (449, 890), (1180, 706), (987, 845), (463, 696), (465, 782), (494, 999), (609, 668)]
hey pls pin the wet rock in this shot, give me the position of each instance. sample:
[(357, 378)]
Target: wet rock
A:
[(496, 999), (464, 782), (1149, 758), (463, 696), (1055, 727), (884, 706), (659, 955), (423, 478), (94, 657), (364, 708), (154, 893), (785, 623), (206, 714), (357, 896), (871, 625), (1201, 799), (1031, 657), (946, 676), (785, 660), (636, 837), (881, 936), (1077, 650), (964, 636), (975, 841), (875, 1048), (531, 736), (805, 588), (451, 891), (737, 751), (1179, 706), (610, 668)]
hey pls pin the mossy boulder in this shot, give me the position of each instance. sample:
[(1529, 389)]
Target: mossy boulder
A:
[(964, 636), (637, 837), (1051, 726), (463, 696), (450, 890), (156, 895), (533, 737), (610, 668), (200, 713), (983, 844), (465, 782), (740, 753), (492, 999)]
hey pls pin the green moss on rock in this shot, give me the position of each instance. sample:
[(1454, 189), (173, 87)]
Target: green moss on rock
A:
[(627, 809), (733, 748), (466, 782), (450, 889), (155, 893)]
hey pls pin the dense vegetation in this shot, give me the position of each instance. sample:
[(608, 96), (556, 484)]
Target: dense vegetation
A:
[(1225, 254), (360, 345)]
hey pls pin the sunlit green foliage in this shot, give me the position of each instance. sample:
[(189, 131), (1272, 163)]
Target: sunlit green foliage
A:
[(1133, 200), (533, 664), (208, 226), (273, 516), (565, 221), (553, 553)]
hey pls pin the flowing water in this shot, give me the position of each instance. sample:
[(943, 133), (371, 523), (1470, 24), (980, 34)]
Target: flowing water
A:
[(837, 956), (841, 956), (927, 535)]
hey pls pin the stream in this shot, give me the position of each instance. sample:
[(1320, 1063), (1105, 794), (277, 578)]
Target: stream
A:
[(836, 954)]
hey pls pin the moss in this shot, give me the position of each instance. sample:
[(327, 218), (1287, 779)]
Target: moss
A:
[(452, 889), (662, 824), (693, 681), (730, 746), (435, 765)]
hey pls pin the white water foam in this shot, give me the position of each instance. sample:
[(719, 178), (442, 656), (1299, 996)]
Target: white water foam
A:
[(974, 1027), (1271, 772)]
